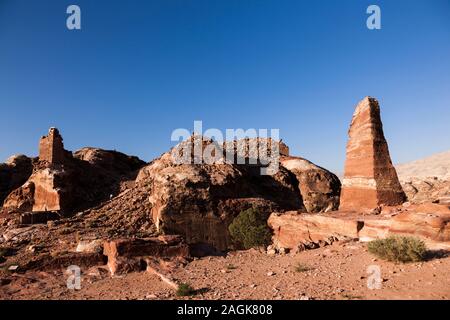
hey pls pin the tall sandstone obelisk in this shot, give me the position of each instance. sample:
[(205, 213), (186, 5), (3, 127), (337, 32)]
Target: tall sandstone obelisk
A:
[(370, 179)]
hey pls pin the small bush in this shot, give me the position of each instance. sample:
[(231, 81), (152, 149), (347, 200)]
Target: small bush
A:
[(184, 290), (249, 229), (300, 267), (398, 249), (231, 267)]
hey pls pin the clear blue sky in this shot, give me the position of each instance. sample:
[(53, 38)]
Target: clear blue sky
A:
[(139, 69)]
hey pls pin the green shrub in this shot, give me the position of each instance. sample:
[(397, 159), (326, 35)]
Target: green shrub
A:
[(398, 249), (184, 290), (249, 229)]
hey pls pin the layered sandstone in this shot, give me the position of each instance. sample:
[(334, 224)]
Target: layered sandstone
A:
[(370, 179), (295, 231)]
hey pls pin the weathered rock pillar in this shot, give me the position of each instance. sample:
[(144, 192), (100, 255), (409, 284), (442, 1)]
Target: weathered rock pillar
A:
[(370, 179), (51, 147)]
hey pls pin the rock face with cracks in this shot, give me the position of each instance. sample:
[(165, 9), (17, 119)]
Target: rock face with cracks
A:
[(319, 188), (199, 201)]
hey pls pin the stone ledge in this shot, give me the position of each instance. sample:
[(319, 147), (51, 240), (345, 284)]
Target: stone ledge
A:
[(296, 231)]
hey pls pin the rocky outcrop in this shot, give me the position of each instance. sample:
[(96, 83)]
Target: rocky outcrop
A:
[(63, 183), (114, 162), (199, 201), (427, 180), (298, 232), (319, 188), (51, 148), (370, 179), (14, 173), (421, 190), (128, 255), (295, 231)]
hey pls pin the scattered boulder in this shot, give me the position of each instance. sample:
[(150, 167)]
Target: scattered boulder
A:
[(65, 183), (297, 232), (199, 200)]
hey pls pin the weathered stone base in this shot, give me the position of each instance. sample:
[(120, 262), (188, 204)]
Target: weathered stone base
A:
[(355, 199), (295, 232)]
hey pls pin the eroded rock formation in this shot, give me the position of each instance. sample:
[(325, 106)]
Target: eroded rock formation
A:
[(319, 188), (296, 232), (14, 173), (65, 183), (421, 190), (126, 255), (370, 179), (199, 201), (51, 148)]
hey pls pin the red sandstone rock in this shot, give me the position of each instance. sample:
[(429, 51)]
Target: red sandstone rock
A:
[(13, 174), (296, 231), (114, 162), (51, 147), (199, 201), (129, 255), (63, 183), (420, 190), (370, 179), (64, 260), (21, 199)]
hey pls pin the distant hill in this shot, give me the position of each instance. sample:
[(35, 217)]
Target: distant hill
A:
[(437, 165)]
